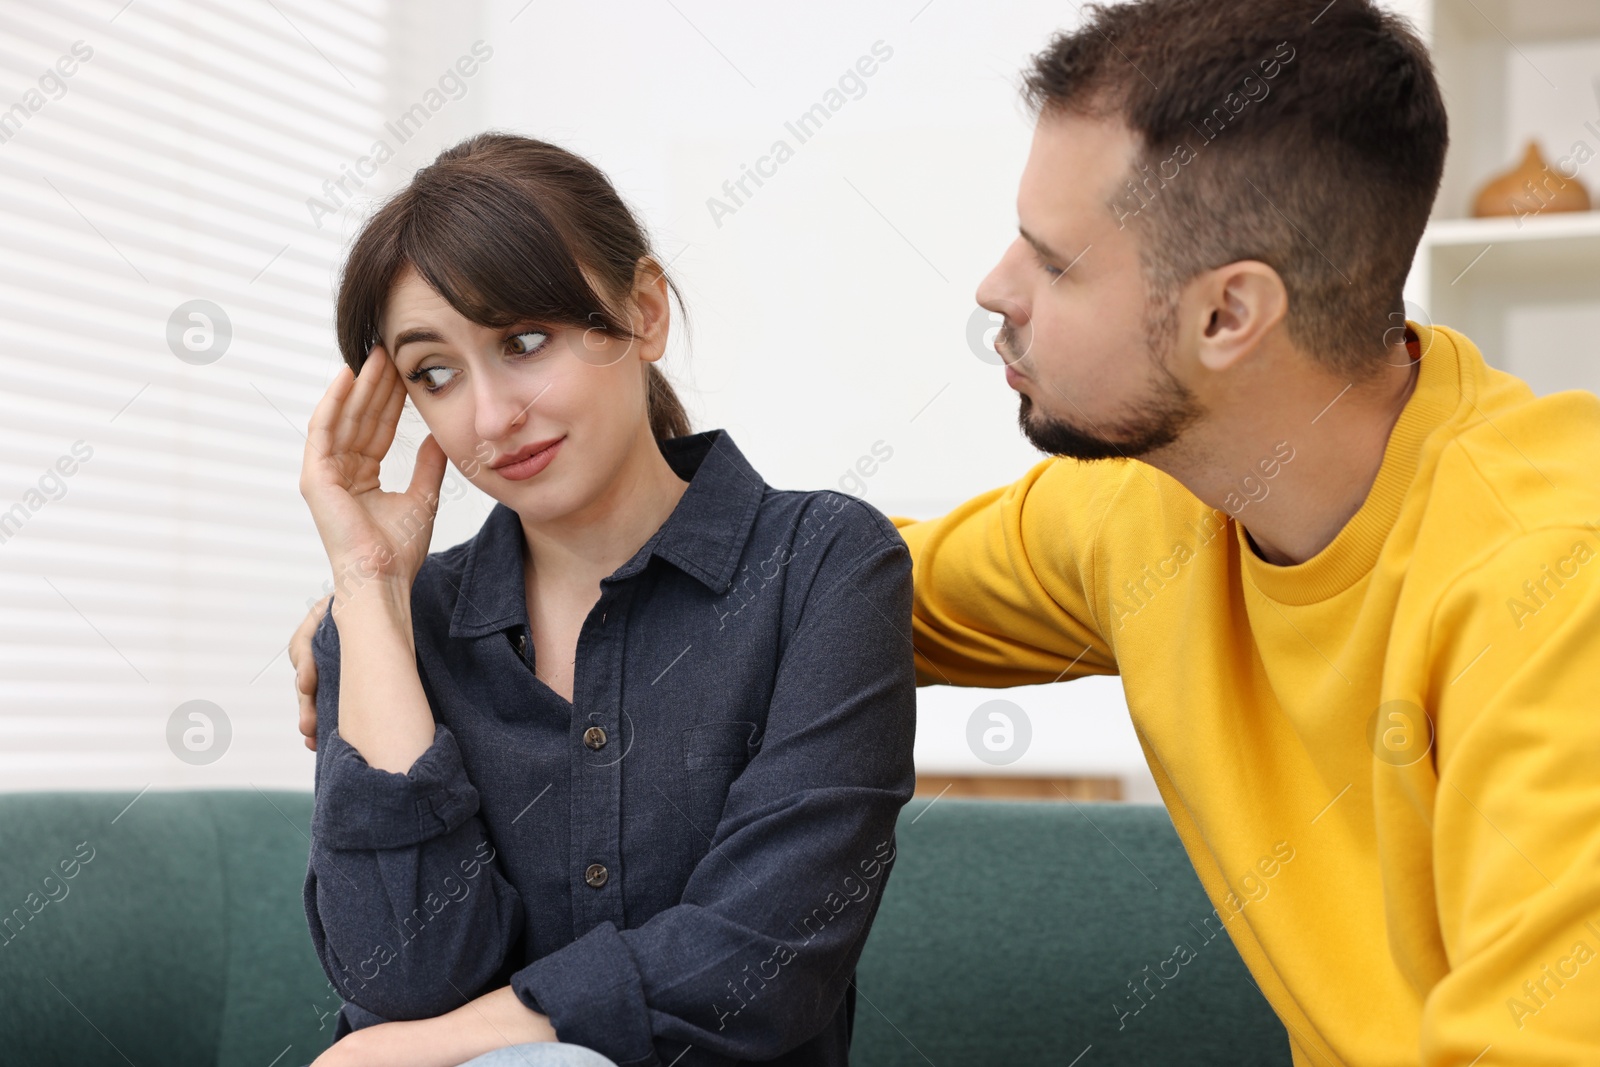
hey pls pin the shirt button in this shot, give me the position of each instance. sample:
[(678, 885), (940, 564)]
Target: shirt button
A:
[(595, 737), (595, 875), (522, 644)]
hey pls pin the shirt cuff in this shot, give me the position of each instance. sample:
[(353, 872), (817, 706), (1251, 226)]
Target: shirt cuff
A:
[(353, 1017), (361, 807), (592, 993)]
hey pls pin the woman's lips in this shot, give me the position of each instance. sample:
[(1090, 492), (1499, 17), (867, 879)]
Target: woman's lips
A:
[(527, 468)]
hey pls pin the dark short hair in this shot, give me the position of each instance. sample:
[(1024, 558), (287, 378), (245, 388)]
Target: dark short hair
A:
[(507, 229), (1307, 135)]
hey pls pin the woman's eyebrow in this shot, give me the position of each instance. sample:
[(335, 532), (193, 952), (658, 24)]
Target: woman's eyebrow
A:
[(415, 333)]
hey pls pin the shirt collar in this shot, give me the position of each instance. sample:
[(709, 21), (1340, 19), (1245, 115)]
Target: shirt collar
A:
[(704, 536)]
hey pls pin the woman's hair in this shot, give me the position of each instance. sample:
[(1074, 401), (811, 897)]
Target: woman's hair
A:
[(507, 229)]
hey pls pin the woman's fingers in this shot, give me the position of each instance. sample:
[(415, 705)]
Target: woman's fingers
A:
[(353, 417), (428, 474), (320, 430), (356, 418), (351, 430), (388, 419)]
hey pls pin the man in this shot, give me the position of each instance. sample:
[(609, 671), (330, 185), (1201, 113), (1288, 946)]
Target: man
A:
[(1346, 570), (1350, 579)]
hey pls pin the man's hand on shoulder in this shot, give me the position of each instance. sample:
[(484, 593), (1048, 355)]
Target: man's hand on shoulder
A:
[(305, 670)]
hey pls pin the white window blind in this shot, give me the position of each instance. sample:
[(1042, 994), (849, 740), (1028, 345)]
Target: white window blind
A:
[(166, 558)]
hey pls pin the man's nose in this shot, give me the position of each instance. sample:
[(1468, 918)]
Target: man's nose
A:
[(998, 293)]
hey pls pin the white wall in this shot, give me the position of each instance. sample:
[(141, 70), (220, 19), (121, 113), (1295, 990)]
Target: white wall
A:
[(831, 307), (831, 310)]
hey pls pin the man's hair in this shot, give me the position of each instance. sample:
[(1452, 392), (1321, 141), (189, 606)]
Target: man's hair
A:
[(1307, 135)]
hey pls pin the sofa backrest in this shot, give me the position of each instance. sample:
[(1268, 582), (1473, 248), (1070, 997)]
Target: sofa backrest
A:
[(1039, 932), (171, 931)]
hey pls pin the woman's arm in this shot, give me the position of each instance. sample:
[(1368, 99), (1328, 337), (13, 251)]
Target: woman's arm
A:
[(383, 712), (494, 1020), (376, 542), (757, 956), (408, 912)]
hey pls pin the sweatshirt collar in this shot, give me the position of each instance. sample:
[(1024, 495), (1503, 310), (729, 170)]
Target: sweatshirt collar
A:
[(1445, 383)]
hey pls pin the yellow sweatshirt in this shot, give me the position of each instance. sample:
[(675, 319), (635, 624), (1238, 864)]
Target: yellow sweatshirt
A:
[(1384, 762)]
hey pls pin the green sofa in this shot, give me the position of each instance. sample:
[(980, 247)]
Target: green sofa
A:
[(169, 932)]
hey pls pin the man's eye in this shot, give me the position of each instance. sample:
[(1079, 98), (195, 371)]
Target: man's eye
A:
[(528, 342)]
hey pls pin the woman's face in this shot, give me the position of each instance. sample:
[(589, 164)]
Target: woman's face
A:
[(490, 396)]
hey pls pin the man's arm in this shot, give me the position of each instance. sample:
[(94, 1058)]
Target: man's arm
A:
[(1516, 810), (1002, 591)]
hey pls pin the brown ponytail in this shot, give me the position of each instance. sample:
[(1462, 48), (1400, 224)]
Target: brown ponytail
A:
[(507, 228), (668, 419)]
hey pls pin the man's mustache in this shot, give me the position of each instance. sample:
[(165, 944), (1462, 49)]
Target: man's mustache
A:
[(1004, 345)]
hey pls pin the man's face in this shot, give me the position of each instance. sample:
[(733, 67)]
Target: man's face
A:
[(1089, 356)]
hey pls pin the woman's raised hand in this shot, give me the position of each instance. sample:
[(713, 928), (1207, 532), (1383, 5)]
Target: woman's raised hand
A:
[(369, 535)]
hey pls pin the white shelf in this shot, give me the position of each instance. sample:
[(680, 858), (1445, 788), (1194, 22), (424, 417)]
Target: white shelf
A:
[(1555, 252), (1526, 291), (1553, 227)]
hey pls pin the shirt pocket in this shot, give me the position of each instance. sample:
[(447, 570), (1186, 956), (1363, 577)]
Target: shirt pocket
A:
[(713, 745), (714, 753)]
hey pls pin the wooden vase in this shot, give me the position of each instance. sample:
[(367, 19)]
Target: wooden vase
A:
[(1532, 187)]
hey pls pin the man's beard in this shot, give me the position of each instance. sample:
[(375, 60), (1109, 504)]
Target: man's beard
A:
[(1156, 421)]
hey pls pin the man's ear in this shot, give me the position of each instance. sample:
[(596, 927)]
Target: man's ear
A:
[(653, 309), (1238, 305)]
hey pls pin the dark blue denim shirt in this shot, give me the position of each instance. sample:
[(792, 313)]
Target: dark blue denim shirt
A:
[(681, 865)]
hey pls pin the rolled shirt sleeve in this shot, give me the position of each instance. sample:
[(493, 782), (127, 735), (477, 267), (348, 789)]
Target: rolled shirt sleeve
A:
[(757, 955), (432, 798), (408, 910)]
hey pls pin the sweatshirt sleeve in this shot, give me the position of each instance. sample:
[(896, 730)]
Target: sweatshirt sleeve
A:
[(1003, 584), (1516, 808), (409, 912), (757, 955)]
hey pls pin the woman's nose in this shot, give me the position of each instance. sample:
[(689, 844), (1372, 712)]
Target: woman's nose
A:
[(500, 407)]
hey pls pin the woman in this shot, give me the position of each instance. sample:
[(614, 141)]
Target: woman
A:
[(621, 771)]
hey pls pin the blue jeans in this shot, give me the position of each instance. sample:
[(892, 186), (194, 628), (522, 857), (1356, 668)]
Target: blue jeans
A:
[(541, 1054)]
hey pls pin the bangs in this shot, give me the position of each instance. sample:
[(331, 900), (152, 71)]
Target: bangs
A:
[(508, 230), (485, 243), (491, 250)]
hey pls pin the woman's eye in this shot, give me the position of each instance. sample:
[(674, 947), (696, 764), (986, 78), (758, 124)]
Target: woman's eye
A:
[(523, 344), (426, 376)]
